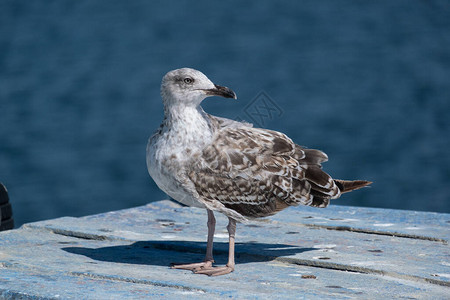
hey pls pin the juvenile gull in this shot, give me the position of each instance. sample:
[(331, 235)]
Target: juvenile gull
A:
[(227, 166)]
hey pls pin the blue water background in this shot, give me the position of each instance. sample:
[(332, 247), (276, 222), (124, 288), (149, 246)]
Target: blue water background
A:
[(368, 82)]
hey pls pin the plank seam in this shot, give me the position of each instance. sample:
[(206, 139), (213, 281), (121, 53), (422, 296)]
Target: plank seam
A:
[(378, 232), (135, 280)]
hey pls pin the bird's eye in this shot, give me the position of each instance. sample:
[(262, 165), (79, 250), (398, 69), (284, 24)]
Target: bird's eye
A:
[(188, 80)]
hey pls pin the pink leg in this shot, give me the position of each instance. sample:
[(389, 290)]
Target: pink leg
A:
[(207, 263), (211, 229), (216, 271)]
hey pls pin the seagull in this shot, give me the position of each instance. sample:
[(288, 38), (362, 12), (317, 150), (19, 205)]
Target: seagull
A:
[(228, 166)]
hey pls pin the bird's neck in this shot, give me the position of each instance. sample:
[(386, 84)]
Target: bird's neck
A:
[(189, 122)]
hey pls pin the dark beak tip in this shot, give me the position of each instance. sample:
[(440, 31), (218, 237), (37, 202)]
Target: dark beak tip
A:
[(222, 92)]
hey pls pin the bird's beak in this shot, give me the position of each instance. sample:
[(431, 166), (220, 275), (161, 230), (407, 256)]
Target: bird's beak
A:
[(221, 91)]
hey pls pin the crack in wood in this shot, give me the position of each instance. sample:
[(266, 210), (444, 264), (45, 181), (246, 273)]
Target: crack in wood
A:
[(377, 232), (135, 280), (357, 269)]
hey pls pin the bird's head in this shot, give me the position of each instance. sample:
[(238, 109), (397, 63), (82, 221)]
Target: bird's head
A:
[(188, 87)]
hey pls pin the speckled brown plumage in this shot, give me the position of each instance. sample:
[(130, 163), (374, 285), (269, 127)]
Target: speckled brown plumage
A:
[(258, 172)]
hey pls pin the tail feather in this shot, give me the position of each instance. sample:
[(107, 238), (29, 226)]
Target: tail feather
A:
[(350, 185)]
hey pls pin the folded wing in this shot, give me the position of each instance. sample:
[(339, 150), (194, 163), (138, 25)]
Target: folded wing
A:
[(257, 172)]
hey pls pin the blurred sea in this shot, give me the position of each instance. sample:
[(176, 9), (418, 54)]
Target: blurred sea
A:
[(368, 82)]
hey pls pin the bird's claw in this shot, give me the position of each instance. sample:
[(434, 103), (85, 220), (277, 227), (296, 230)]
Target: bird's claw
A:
[(205, 268), (193, 266), (214, 271)]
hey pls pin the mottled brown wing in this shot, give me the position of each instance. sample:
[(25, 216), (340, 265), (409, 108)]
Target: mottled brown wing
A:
[(258, 172)]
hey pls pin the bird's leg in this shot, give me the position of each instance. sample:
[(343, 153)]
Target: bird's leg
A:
[(216, 271), (207, 263), (211, 229)]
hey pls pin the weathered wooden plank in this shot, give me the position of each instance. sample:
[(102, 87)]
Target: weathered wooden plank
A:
[(300, 253)]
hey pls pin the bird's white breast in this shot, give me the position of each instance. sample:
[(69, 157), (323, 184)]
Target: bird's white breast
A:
[(170, 151)]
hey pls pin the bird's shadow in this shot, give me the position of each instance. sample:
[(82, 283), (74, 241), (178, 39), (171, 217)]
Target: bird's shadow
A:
[(164, 253)]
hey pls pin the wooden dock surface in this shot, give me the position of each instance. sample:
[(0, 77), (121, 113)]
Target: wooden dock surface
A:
[(301, 253)]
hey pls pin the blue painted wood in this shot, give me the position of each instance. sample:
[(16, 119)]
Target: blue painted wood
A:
[(301, 253)]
